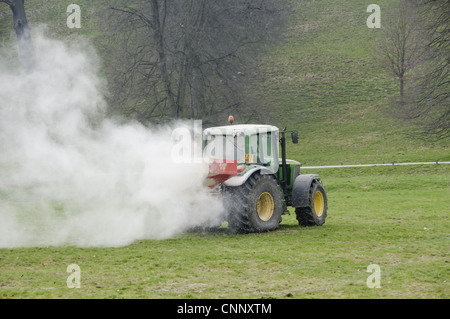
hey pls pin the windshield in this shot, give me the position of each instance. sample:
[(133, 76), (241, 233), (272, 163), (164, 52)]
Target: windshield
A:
[(257, 149), (225, 147)]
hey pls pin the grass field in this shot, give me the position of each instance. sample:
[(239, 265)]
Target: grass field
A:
[(394, 217)]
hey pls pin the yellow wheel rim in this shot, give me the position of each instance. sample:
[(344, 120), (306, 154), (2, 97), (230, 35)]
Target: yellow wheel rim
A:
[(265, 206), (319, 203)]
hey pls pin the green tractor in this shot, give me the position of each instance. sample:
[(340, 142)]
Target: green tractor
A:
[(255, 184)]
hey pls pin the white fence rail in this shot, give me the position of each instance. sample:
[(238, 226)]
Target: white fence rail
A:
[(371, 165)]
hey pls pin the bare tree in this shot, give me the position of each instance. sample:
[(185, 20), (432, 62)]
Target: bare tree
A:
[(431, 105), (416, 48), (20, 24), (187, 58), (402, 44)]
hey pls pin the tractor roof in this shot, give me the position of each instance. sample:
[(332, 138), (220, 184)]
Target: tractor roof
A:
[(247, 129)]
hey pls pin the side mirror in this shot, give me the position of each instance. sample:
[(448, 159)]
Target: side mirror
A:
[(294, 136)]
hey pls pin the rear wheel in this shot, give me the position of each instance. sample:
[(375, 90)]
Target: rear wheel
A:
[(316, 213), (255, 206)]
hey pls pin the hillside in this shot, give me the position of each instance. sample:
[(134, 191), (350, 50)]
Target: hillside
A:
[(325, 81), (322, 79)]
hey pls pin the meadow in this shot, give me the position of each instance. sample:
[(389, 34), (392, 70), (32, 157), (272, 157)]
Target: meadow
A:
[(394, 217)]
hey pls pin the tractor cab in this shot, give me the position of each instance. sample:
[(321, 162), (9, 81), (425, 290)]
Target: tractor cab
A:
[(235, 149)]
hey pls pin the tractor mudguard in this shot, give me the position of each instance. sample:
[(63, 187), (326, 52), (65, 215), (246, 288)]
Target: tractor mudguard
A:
[(300, 190), (240, 180)]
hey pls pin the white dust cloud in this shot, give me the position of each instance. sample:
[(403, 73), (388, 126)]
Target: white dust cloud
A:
[(71, 176)]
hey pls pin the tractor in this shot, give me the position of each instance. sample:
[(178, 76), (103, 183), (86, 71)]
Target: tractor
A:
[(254, 183)]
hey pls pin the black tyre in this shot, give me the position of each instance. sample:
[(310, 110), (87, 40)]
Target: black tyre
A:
[(316, 213), (255, 206)]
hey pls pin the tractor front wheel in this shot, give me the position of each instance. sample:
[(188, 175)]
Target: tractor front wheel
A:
[(316, 212)]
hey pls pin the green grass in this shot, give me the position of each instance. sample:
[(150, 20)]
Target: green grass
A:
[(395, 217), (325, 80)]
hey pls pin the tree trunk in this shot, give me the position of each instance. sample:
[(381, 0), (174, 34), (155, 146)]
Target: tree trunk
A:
[(158, 27), (23, 35), (402, 84)]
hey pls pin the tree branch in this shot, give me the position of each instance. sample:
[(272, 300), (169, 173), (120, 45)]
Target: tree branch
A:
[(8, 2)]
